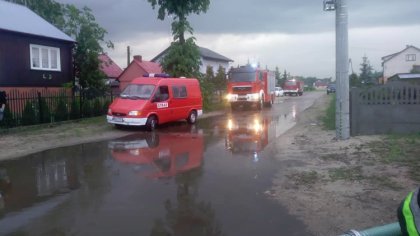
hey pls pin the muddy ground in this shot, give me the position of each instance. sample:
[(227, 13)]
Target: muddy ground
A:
[(331, 185), (334, 185)]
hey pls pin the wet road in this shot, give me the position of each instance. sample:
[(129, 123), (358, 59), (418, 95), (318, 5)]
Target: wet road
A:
[(207, 179)]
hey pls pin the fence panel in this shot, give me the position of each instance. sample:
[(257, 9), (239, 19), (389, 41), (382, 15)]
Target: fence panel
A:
[(383, 109), (35, 107)]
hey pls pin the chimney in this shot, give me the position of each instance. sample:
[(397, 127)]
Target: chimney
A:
[(137, 58)]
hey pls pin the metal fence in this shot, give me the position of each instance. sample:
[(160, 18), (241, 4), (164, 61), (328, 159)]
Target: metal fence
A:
[(34, 107), (385, 109)]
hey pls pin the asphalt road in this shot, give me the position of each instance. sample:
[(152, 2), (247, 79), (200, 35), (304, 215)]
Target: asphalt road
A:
[(211, 178)]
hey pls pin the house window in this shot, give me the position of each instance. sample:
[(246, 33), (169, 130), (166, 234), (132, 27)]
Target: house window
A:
[(45, 58), (410, 57)]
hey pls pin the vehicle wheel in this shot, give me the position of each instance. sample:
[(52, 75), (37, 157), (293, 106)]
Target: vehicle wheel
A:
[(192, 117), (152, 140), (151, 123), (118, 126)]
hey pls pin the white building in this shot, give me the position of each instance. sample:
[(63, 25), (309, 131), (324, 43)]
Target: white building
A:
[(207, 57), (400, 62)]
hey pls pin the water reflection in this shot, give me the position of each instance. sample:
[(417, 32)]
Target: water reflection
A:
[(248, 134), (178, 155), (159, 155)]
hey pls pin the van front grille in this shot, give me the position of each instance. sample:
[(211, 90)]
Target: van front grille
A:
[(118, 114)]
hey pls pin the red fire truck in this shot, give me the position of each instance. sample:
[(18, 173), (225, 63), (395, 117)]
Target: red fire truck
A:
[(293, 86), (250, 86)]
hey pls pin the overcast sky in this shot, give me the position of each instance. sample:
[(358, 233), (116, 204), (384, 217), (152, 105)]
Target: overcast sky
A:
[(295, 35)]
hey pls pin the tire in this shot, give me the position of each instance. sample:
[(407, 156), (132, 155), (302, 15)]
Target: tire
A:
[(118, 126), (192, 117), (151, 123)]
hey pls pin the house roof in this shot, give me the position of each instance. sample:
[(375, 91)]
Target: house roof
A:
[(389, 57), (204, 52), (148, 66), (406, 76), (109, 67), (18, 18)]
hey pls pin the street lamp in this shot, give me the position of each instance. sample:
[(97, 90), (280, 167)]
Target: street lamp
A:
[(329, 5), (342, 104)]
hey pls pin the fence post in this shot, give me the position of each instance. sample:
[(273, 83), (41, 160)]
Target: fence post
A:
[(41, 118), (80, 104)]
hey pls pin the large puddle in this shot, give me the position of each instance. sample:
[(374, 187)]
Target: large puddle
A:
[(204, 180)]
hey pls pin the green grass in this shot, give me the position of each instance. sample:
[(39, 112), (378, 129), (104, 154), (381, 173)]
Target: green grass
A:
[(329, 117), (305, 177), (402, 150), (346, 173)]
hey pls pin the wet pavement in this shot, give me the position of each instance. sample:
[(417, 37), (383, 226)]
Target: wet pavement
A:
[(208, 179)]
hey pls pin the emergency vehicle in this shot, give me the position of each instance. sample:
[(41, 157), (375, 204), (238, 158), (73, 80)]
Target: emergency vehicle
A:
[(157, 99), (160, 155), (293, 87), (250, 86)]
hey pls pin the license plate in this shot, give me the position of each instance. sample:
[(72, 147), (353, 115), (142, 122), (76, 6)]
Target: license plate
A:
[(117, 119)]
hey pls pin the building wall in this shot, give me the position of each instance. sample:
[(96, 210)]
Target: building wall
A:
[(15, 69), (215, 64), (133, 71), (399, 64)]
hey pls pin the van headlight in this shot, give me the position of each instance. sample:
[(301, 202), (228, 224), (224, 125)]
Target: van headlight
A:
[(134, 113), (109, 111)]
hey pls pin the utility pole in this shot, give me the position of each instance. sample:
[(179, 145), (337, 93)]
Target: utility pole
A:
[(128, 56), (342, 115)]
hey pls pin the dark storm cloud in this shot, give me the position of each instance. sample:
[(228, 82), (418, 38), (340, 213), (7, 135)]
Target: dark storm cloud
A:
[(124, 18)]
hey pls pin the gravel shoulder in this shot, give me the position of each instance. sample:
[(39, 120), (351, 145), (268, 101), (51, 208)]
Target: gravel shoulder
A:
[(337, 185)]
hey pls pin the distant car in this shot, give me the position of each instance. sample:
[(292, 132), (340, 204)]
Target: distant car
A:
[(279, 92), (331, 88)]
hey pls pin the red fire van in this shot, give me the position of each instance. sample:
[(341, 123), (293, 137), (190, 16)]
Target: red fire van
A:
[(149, 101)]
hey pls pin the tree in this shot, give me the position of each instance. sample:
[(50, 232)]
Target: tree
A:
[(183, 57), (366, 72), (354, 80), (90, 37), (220, 81), (278, 76)]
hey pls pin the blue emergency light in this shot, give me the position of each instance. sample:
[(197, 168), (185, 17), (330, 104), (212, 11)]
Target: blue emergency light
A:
[(160, 75)]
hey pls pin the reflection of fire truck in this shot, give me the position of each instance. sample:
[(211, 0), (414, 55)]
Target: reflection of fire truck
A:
[(160, 154), (248, 135), (250, 86)]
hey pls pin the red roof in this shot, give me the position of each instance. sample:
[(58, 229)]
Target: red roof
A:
[(109, 67), (149, 67)]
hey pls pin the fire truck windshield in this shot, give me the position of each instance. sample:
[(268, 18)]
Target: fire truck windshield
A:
[(291, 83), (138, 91), (242, 77)]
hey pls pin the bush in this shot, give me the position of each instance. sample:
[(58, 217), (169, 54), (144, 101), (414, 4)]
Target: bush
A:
[(44, 111), (61, 112), (75, 109), (29, 116), (87, 109), (97, 107), (8, 120), (106, 106)]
